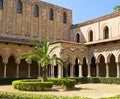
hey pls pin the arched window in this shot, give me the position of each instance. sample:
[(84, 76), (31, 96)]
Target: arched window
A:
[(51, 14), (19, 7), (1, 4), (36, 11), (90, 36), (106, 32), (64, 17), (78, 38)]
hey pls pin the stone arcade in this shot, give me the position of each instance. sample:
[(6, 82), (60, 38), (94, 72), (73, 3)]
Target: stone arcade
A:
[(90, 48)]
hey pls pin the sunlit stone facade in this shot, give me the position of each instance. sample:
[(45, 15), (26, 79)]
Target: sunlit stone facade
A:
[(91, 49)]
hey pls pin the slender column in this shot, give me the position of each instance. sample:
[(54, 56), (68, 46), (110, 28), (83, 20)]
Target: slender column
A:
[(29, 71), (107, 70), (17, 76), (5, 68), (118, 70), (66, 68), (39, 68), (60, 71), (80, 70), (89, 73), (49, 71), (52, 71), (71, 70), (97, 70)]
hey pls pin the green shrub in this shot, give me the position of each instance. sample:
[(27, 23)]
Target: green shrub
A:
[(10, 95), (56, 81), (7, 81), (110, 80), (67, 83), (31, 86)]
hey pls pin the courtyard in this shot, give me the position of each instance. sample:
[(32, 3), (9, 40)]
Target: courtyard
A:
[(82, 90)]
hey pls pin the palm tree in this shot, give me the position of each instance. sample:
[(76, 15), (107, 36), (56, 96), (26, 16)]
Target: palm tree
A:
[(42, 56), (117, 8)]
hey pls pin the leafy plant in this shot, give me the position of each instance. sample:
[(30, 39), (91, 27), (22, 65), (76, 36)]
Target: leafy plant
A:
[(43, 56)]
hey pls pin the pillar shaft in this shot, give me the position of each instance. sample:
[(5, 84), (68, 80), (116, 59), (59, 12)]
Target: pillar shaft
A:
[(60, 71), (52, 71), (39, 69), (17, 71), (97, 70), (89, 72), (29, 71), (71, 70), (118, 70), (107, 70), (5, 68), (80, 70)]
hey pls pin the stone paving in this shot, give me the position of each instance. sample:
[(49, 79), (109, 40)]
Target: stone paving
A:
[(82, 90)]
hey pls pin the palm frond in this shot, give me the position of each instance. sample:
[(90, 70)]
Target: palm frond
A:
[(53, 49)]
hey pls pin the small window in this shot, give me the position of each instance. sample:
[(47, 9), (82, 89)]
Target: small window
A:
[(64, 18), (106, 32), (78, 38), (19, 7), (36, 11), (51, 14), (90, 35), (1, 4)]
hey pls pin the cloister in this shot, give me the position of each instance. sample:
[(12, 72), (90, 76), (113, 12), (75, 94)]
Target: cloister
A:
[(79, 63)]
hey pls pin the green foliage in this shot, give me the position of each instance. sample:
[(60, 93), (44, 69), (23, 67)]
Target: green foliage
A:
[(117, 8), (10, 95), (7, 81), (42, 56), (67, 83), (31, 85), (111, 80), (56, 81)]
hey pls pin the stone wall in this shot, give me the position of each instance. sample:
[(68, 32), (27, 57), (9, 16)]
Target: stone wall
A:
[(26, 25)]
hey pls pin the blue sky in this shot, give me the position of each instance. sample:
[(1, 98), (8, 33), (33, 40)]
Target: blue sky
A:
[(84, 10)]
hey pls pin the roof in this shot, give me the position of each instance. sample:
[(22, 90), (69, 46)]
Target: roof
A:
[(102, 18), (15, 40), (103, 41)]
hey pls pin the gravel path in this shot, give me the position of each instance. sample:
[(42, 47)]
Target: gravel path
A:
[(83, 90)]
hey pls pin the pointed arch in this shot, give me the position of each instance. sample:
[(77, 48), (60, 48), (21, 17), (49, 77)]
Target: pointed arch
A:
[(11, 67), (23, 68), (85, 67), (101, 65), (77, 37), (93, 66), (64, 17), (90, 35), (1, 4), (112, 65), (36, 11), (105, 32), (19, 6), (51, 14), (34, 69)]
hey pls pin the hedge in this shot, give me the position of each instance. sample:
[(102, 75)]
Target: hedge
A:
[(7, 81), (31, 86), (110, 80), (67, 83), (11, 95)]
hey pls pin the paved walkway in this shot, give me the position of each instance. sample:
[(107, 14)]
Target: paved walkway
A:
[(83, 90)]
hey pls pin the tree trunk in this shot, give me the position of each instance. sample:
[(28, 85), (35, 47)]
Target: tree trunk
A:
[(44, 74)]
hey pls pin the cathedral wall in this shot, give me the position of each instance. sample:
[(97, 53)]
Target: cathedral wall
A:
[(26, 25)]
